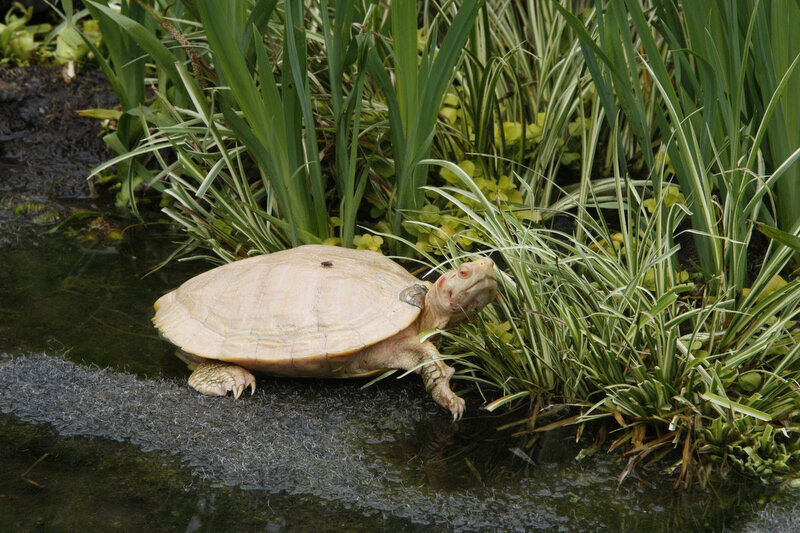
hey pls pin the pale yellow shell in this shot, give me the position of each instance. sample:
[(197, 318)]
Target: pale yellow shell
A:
[(304, 309)]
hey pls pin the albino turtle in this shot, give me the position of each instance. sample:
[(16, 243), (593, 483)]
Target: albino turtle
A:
[(318, 311)]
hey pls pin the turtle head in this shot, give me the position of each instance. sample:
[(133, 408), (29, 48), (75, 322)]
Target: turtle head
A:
[(461, 291)]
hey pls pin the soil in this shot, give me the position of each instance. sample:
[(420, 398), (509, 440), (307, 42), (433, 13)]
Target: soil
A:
[(47, 150)]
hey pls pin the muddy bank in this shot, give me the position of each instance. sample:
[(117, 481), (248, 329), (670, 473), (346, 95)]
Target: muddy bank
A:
[(46, 149)]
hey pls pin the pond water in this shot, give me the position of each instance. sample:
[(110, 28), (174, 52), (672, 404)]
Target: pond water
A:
[(99, 431)]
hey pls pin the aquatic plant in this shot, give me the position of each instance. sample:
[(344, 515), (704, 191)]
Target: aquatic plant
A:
[(20, 42), (625, 336), (675, 354)]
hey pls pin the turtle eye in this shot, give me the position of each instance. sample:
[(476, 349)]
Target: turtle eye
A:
[(463, 271)]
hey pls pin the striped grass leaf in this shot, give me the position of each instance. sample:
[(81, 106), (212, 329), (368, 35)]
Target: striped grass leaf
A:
[(524, 70), (783, 237), (589, 326), (614, 63)]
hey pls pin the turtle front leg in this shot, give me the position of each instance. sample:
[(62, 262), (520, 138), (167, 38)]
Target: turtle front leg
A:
[(216, 378), (436, 376), (406, 352)]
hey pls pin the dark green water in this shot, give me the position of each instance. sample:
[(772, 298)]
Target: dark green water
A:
[(308, 455), (90, 299)]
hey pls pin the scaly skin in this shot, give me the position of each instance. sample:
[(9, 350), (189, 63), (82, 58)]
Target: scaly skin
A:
[(406, 352), (454, 294), (216, 378)]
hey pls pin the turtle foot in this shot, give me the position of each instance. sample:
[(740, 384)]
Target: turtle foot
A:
[(445, 397), (218, 379), (436, 376)]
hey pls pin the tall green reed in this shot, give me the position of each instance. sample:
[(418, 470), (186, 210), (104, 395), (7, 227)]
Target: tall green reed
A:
[(274, 104), (347, 58), (758, 65), (416, 94), (710, 131), (275, 116)]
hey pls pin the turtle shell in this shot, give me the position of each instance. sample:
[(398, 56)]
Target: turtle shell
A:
[(298, 312)]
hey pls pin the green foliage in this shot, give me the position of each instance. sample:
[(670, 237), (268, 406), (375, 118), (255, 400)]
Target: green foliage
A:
[(17, 37), (523, 105), (24, 43), (606, 318), (273, 105), (274, 117), (712, 109), (615, 327), (128, 33), (419, 88)]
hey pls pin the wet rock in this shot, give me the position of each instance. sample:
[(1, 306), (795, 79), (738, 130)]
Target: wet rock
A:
[(306, 439), (781, 516), (328, 443)]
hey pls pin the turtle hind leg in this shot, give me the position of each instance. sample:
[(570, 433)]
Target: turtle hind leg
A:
[(216, 378)]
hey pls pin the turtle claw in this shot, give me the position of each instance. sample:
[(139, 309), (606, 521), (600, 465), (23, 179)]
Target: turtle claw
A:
[(444, 396), (218, 379), (237, 390), (457, 407)]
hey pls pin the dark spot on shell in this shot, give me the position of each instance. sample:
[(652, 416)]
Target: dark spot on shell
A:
[(327, 264)]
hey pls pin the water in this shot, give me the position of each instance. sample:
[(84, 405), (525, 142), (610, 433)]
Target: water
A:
[(99, 431)]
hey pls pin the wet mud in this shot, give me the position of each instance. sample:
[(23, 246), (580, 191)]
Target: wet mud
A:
[(47, 149)]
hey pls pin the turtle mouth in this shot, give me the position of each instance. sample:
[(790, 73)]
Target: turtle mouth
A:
[(482, 283), (485, 279), (478, 294)]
